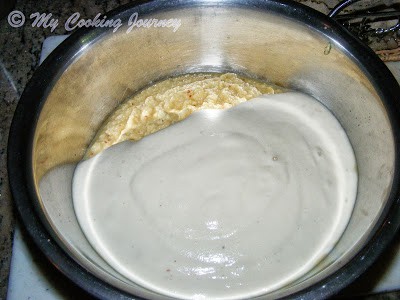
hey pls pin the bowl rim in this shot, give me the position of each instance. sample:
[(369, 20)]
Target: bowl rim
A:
[(21, 135)]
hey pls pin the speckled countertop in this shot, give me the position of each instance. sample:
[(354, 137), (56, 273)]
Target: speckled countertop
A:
[(19, 56)]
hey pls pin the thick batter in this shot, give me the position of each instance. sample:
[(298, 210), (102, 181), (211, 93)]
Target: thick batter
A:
[(224, 204)]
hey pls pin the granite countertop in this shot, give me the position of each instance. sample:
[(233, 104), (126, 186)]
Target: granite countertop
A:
[(19, 57)]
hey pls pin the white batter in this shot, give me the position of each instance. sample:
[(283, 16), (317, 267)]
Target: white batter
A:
[(225, 204)]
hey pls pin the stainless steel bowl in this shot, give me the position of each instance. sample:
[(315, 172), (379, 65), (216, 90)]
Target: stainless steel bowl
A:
[(286, 43)]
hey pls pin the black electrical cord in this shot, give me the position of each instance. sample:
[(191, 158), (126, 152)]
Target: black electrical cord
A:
[(342, 5)]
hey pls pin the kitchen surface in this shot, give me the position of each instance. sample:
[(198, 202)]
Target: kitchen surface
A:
[(20, 51)]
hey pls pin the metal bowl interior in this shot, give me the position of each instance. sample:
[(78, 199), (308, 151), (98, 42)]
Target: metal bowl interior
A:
[(93, 71)]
